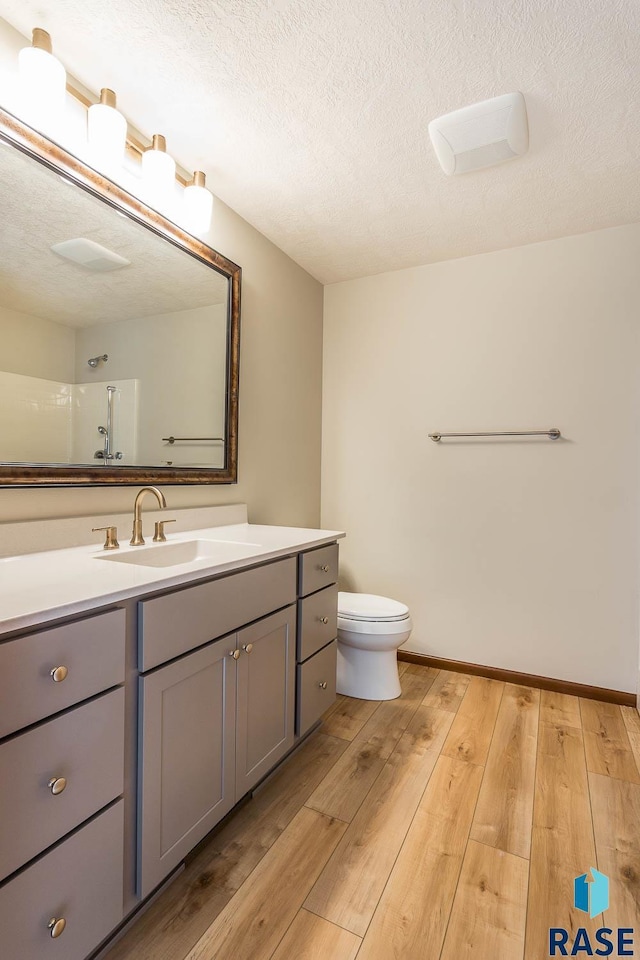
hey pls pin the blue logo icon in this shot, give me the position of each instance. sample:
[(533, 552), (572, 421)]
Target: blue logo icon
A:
[(591, 896)]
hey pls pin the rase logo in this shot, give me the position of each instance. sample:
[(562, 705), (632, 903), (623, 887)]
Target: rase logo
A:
[(592, 897)]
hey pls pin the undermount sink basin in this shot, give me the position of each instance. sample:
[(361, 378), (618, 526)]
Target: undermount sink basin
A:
[(173, 554)]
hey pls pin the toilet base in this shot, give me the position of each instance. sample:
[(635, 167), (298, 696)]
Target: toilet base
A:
[(367, 674)]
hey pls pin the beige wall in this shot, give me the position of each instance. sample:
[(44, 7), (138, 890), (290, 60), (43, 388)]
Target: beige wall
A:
[(35, 347), (522, 555)]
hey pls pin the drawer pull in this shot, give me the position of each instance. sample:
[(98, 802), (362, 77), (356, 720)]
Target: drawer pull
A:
[(323, 619), (57, 785), (324, 568), (235, 654), (323, 684), (58, 674), (248, 647), (56, 926)]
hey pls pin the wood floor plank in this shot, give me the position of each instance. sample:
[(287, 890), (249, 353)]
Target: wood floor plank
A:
[(616, 818), (350, 779), (504, 814), (179, 917), (631, 719), (349, 887), (348, 782), (470, 736), (447, 690), (560, 708), (385, 727), (606, 742), (410, 920), (348, 717), (490, 907), (562, 845), (255, 920), (311, 938)]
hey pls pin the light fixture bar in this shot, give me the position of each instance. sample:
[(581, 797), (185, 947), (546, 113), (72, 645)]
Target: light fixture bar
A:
[(134, 147)]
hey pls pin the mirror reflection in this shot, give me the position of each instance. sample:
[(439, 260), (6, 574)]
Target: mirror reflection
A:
[(114, 343)]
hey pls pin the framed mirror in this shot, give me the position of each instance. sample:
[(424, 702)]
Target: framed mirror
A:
[(119, 332)]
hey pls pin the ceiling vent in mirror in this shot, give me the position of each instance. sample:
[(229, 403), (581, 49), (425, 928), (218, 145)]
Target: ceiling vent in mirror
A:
[(481, 135), (90, 255)]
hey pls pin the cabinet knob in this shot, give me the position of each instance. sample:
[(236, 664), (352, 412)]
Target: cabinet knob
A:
[(248, 647), (323, 684), (323, 619), (58, 674), (56, 926), (324, 568), (57, 785), (234, 653)]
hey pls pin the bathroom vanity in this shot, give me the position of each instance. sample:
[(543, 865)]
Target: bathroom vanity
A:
[(139, 702)]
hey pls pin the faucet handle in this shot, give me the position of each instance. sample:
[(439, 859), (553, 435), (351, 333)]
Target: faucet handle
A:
[(111, 537), (158, 536)]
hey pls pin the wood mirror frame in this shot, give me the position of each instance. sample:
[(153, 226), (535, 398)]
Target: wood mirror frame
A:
[(17, 134)]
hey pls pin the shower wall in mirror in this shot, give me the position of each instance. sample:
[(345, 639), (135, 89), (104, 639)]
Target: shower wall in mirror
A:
[(117, 343)]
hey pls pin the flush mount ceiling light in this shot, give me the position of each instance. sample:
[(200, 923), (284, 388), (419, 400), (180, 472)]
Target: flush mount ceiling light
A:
[(482, 135), (106, 130), (90, 255)]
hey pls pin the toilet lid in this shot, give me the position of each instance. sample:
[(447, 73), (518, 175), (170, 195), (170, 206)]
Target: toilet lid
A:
[(367, 606)]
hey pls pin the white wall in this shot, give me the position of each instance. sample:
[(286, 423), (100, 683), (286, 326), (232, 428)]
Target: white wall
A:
[(521, 555), (179, 360)]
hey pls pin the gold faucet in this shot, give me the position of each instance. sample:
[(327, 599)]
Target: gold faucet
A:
[(137, 538)]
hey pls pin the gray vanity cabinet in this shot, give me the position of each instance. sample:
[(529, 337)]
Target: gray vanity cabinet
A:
[(265, 696), (187, 769), (212, 724)]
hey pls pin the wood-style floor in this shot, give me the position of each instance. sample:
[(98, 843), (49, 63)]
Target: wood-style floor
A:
[(447, 824)]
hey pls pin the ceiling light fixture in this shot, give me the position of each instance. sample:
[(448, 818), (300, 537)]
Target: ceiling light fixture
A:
[(90, 255), (198, 204), (43, 81), (482, 135), (106, 131)]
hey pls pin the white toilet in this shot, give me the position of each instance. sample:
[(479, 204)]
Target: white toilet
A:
[(370, 630)]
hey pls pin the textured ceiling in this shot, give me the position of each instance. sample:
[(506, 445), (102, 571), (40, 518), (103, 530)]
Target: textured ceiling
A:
[(311, 115), (40, 209)]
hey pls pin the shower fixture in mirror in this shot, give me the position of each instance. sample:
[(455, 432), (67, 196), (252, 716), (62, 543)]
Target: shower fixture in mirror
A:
[(119, 332)]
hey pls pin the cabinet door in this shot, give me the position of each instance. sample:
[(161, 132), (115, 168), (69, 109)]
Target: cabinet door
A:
[(187, 740), (266, 696)]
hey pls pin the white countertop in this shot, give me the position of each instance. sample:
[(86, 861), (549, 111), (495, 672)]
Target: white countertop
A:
[(43, 586)]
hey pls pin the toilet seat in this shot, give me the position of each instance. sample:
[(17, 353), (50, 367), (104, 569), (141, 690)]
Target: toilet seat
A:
[(370, 609)]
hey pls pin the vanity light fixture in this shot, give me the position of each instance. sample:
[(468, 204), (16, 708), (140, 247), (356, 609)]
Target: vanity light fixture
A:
[(43, 80), (198, 204), (106, 130), (44, 88), (158, 168)]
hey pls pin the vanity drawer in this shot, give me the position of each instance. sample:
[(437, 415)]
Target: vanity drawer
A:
[(316, 687), (85, 747), (313, 632), (80, 881), (318, 568), (178, 622), (91, 650)]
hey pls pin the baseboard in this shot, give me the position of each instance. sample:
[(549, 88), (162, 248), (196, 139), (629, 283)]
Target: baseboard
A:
[(524, 679)]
